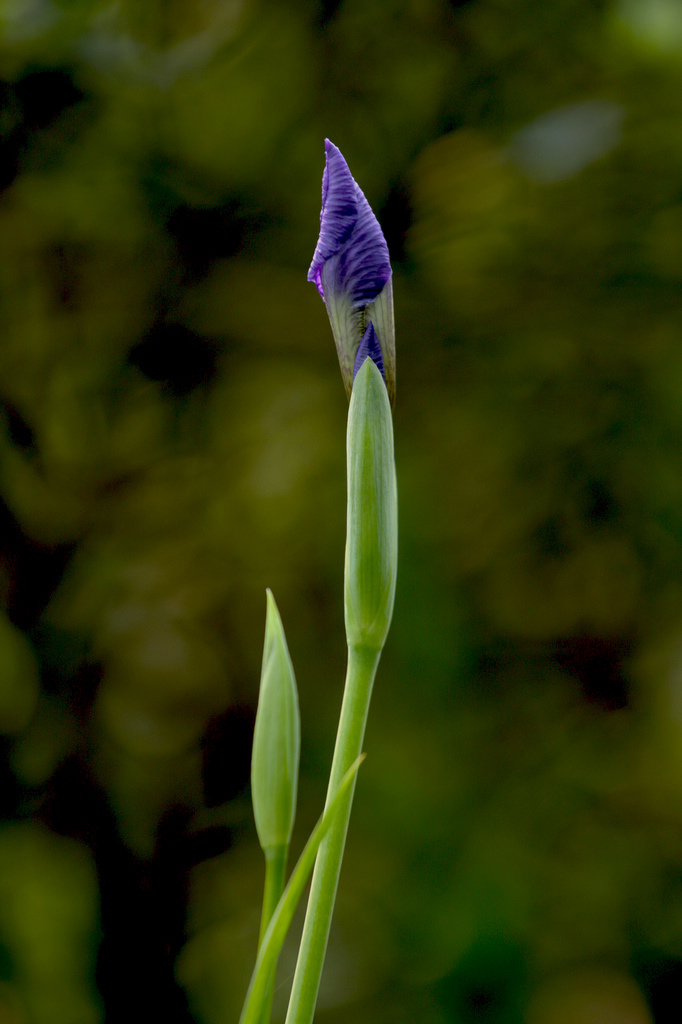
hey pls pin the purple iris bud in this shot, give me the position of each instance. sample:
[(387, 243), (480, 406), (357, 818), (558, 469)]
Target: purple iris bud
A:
[(369, 348), (352, 272)]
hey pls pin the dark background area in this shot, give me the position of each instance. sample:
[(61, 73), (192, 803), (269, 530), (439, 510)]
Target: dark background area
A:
[(172, 441)]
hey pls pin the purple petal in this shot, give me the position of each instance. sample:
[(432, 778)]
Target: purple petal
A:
[(364, 265), (339, 211), (349, 233), (369, 347)]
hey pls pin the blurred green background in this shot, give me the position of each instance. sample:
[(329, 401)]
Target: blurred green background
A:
[(172, 442)]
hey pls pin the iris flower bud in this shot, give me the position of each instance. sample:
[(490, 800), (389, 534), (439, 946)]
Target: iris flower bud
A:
[(276, 739), (372, 523), (352, 271)]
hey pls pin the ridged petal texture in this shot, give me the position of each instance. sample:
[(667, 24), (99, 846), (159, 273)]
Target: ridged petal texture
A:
[(352, 271), (350, 232)]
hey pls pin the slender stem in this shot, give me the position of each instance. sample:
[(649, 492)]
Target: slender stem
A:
[(362, 666), (278, 928), (275, 872)]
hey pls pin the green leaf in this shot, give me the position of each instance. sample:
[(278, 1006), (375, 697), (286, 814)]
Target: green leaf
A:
[(372, 525)]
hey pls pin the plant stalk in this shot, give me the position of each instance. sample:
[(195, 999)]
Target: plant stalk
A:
[(362, 666), (275, 876)]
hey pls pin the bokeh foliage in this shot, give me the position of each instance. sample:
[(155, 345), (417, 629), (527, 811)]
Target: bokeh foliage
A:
[(172, 442)]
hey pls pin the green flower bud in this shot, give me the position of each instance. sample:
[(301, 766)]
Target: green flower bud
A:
[(276, 739), (372, 525)]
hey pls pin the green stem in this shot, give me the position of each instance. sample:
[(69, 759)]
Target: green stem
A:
[(278, 928), (275, 873), (362, 666)]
